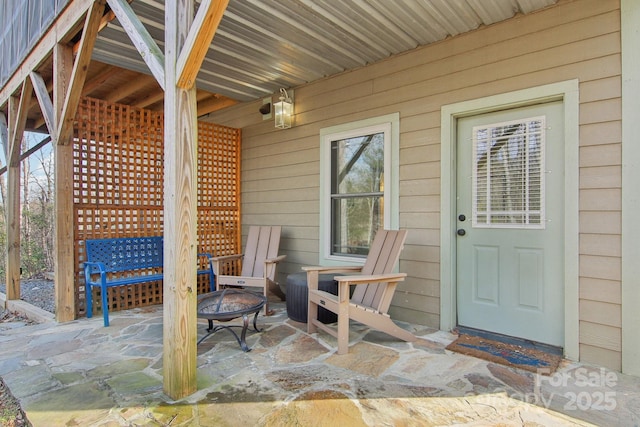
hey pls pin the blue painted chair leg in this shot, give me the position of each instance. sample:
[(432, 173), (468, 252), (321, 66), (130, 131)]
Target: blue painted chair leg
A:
[(105, 306), (89, 296)]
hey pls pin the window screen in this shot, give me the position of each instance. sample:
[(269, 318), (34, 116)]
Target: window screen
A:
[(508, 174)]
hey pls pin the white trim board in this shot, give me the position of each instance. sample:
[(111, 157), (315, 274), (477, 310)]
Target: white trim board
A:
[(568, 92), (630, 29)]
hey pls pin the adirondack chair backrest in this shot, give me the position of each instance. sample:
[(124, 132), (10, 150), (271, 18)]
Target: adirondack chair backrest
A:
[(263, 242), (383, 256)]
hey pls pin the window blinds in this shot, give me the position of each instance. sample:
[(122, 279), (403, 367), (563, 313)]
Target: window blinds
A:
[(508, 174)]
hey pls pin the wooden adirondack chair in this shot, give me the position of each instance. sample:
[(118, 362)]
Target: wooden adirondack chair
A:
[(375, 285), (259, 263)]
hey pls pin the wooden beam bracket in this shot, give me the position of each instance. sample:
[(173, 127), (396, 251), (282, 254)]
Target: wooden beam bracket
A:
[(141, 39), (198, 40), (46, 105)]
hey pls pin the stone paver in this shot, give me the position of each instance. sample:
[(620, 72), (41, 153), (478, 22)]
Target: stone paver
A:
[(80, 373)]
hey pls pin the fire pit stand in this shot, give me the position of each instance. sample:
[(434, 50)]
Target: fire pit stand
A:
[(229, 304)]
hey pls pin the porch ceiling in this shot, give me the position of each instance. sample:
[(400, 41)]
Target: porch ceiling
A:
[(263, 45)]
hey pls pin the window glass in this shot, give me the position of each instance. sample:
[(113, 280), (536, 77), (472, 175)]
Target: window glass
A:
[(357, 192)]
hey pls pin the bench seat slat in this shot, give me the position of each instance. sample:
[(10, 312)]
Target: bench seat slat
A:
[(121, 281)]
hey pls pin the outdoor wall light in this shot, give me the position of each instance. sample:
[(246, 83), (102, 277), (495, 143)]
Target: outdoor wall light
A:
[(283, 110)]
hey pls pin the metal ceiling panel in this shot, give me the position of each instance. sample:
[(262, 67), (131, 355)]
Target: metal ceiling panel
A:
[(262, 45)]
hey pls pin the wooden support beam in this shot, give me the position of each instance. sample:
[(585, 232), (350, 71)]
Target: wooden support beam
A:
[(27, 153), (66, 23), (214, 103), (46, 106), (98, 80), (149, 99), (180, 214), (13, 204), (79, 73), (64, 266), (17, 120), (128, 88), (198, 40), (159, 96), (106, 18), (4, 133), (142, 40), (18, 125), (89, 86), (49, 87)]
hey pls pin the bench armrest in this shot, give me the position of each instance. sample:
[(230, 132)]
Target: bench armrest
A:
[(91, 267), (201, 262)]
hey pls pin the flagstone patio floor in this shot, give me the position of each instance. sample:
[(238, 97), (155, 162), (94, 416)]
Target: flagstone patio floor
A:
[(83, 374)]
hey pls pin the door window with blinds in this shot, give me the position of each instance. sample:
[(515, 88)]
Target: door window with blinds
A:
[(508, 174)]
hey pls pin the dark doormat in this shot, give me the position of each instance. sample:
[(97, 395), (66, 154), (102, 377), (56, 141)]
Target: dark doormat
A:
[(510, 354)]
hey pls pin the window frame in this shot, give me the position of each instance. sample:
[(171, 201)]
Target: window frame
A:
[(389, 125)]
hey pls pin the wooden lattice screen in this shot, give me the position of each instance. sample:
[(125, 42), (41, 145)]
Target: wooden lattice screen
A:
[(118, 189)]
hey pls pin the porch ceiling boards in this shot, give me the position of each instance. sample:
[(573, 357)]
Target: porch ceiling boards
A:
[(263, 45)]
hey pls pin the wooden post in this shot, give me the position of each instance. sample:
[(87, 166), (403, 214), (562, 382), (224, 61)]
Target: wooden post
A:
[(18, 120), (13, 207), (69, 78), (63, 243), (180, 209)]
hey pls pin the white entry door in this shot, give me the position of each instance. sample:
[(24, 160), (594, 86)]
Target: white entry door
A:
[(510, 211)]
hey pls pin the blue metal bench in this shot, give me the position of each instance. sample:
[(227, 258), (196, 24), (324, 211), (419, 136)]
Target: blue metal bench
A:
[(140, 257)]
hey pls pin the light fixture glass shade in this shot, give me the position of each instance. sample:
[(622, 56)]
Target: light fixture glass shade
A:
[(283, 110)]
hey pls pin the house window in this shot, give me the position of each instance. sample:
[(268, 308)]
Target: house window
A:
[(359, 186), (508, 174)]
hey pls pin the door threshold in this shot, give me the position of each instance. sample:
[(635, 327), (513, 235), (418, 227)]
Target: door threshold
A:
[(547, 348)]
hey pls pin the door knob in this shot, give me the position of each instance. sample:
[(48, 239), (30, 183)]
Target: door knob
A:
[(461, 232)]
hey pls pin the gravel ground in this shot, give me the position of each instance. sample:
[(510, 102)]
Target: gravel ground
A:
[(11, 414), (37, 292)]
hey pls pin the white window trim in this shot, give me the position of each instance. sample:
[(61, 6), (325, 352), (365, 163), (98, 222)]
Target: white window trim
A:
[(390, 124)]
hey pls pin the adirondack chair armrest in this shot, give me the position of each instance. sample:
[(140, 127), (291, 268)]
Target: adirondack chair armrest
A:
[(389, 280), (217, 261), (226, 257), (374, 278), (331, 270), (275, 260), (314, 271)]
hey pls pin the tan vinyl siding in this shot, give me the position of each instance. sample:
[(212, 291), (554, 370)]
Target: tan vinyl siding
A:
[(601, 290), (572, 40)]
